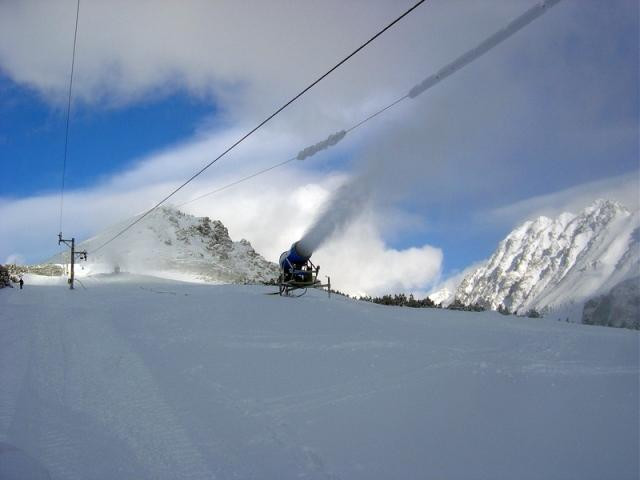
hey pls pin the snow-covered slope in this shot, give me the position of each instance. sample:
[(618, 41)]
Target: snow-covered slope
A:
[(171, 244), (549, 263), (136, 378), (443, 296), (620, 307)]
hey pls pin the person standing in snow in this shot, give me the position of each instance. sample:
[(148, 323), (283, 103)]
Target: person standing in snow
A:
[(21, 282)]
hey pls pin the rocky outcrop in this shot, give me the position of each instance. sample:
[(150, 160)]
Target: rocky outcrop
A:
[(172, 243), (46, 269)]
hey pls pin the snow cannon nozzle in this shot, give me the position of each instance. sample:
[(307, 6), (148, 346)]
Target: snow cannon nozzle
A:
[(302, 249)]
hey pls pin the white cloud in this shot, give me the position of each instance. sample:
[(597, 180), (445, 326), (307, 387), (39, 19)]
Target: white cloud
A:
[(623, 188), (457, 149), (248, 57), (360, 263)]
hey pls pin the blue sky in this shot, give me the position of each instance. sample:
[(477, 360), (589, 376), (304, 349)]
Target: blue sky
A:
[(101, 141), (159, 92)]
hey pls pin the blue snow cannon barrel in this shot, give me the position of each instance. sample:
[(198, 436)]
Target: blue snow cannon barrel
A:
[(296, 256)]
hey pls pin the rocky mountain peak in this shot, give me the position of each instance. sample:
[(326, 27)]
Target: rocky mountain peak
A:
[(171, 243), (550, 261)]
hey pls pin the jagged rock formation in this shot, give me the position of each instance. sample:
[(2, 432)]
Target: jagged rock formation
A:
[(552, 262), (618, 308), (171, 243), (46, 269)]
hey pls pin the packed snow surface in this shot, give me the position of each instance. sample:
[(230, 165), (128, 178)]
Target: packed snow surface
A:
[(135, 377)]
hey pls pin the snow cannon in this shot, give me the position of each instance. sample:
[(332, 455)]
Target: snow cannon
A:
[(297, 255), (297, 272)]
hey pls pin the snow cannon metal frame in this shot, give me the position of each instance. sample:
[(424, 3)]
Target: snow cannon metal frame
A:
[(297, 272)]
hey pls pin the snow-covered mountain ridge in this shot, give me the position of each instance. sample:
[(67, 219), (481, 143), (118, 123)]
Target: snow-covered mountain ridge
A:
[(547, 263), (172, 244)]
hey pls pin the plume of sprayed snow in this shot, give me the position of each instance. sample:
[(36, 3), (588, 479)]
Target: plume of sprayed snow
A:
[(500, 36), (114, 260), (347, 203), (383, 174), (330, 141)]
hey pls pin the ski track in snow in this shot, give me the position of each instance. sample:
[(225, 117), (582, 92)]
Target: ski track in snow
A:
[(75, 364), (154, 379)]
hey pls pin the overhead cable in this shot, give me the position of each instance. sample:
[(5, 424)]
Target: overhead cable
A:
[(66, 135), (261, 124), (483, 47), (236, 182), (446, 71)]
